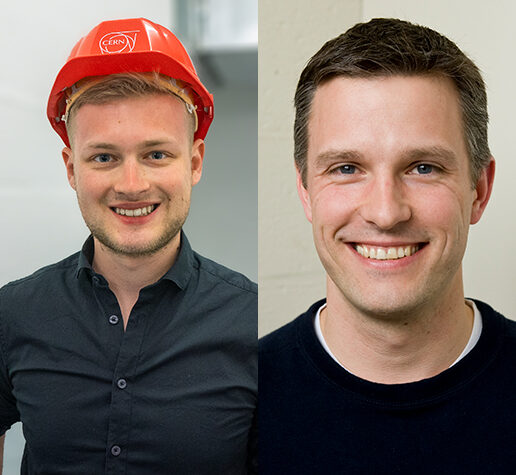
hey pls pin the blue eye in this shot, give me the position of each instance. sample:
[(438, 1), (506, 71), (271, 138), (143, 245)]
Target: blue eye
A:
[(103, 158), (424, 169), (346, 169), (157, 155)]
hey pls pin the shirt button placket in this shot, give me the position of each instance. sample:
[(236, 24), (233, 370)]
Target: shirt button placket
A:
[(120, 422)]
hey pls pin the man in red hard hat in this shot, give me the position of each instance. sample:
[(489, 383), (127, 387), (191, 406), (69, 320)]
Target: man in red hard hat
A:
[(135, 355)]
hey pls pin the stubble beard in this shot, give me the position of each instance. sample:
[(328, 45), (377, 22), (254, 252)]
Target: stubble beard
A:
[(147, 249), (171, 229)]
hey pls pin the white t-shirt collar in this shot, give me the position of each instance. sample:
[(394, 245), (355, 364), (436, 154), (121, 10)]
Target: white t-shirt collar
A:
[(473, 339)]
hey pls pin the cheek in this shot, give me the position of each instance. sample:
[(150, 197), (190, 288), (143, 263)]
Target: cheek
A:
[(332, 208), (182, 180), (174, 183), (444, 210), (89, 186)]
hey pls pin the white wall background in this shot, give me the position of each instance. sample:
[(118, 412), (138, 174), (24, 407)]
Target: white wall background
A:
[(290, 275), (41, 222)]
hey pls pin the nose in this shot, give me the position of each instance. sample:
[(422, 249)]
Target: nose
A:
[(385, 203), (131, 179)]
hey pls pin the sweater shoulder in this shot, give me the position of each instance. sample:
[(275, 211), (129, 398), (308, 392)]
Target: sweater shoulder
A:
[(490, 314), (287, 337), (282, 339)]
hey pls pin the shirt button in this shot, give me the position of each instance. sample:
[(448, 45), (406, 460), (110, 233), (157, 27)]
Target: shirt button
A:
[(95, 279), (113, 319), (121, 383), (115, 450)]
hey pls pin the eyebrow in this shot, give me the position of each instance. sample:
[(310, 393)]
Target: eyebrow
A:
[(331, 156), (433, 151), (156, 143), (143, 145), (100, 145)]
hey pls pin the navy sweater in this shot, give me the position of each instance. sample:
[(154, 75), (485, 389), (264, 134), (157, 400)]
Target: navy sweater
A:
[(316, 418)]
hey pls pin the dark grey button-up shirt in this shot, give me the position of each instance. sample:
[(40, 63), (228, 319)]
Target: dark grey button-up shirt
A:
[(174, 393)]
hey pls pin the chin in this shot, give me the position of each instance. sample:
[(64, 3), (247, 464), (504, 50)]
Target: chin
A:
[(132, 248), (387, 306)]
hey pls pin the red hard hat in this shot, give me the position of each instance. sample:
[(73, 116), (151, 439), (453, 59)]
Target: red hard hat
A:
[(120, 46)]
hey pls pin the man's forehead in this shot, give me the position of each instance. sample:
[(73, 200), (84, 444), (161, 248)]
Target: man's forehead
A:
[(137, 112), (355, 94), (418, 113), (375, 84)]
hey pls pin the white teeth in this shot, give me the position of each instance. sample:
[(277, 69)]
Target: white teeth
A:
[(380, 254), (392, 253), (386, 253), (135, 212)]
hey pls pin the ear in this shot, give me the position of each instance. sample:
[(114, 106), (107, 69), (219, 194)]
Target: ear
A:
[(68, 161), (197, 160), (304, 196), (483, 190)]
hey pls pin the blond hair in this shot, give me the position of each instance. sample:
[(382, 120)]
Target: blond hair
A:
[(115, 87)]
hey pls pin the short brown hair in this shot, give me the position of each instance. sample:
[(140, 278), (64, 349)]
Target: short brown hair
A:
[(388, 47), (121, 86)]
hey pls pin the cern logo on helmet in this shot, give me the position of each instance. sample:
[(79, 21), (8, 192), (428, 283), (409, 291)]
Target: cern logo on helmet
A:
[(118, 42)]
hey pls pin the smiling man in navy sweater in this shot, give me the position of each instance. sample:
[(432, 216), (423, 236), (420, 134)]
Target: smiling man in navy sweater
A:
[(395, 371)]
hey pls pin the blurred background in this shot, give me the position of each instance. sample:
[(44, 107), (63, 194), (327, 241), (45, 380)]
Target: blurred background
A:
[(41, 220), (291, 277)]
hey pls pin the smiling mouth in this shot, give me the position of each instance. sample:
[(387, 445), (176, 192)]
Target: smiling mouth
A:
[(387, 253), (144, 211)]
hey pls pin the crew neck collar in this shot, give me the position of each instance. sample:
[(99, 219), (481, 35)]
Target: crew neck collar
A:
[(414, 393)]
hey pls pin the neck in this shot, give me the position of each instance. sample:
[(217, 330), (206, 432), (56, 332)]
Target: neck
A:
[(127, 275), (394, 349)]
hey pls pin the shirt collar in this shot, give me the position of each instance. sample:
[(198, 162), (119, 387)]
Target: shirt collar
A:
[(182, 268), (85, 257), (179, 273)]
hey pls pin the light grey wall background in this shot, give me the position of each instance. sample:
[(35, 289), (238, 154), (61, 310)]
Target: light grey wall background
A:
[(41, 222), (290, 275)]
